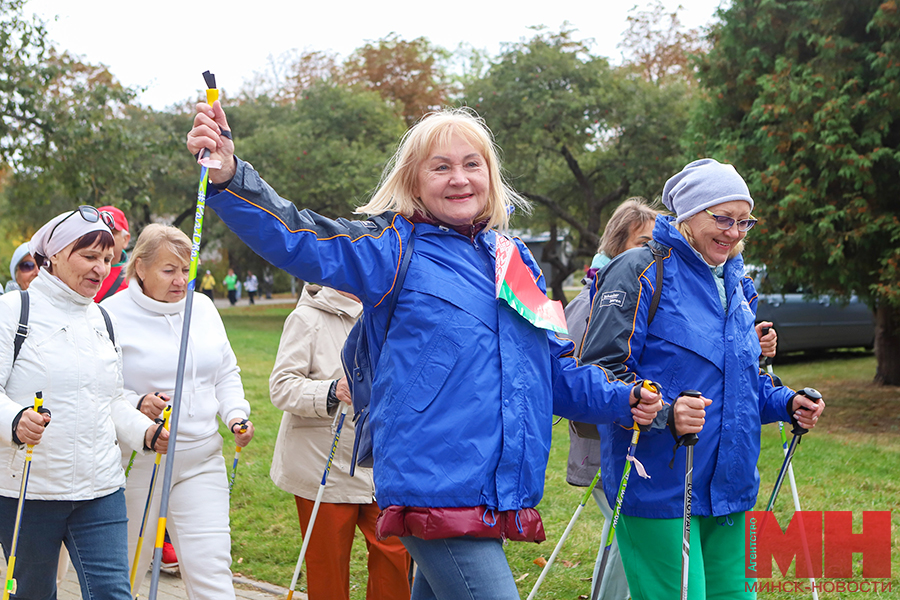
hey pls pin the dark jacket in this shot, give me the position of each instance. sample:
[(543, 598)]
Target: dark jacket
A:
[(692, 343)]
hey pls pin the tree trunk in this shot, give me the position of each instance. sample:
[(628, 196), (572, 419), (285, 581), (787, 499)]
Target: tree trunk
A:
[(887, 345)]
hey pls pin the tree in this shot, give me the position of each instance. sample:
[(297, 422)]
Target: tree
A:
[(658, 47), (98, 148), (577, 136), (804, 98), (326, 152), (410, 74), (288, 76), (24, 74)]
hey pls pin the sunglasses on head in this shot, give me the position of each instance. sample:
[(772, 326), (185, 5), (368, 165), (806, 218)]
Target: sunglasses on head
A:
[(725, 223), (26, 266), (89, 214)]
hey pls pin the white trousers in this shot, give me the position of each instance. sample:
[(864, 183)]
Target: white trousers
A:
[(197, 519)]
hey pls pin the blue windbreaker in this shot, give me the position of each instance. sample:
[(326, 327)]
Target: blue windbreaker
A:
[(692, 343), (465, 388)]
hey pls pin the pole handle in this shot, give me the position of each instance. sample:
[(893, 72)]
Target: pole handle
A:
[(650, 386), (768, 359), (814, 395), (689, 439)]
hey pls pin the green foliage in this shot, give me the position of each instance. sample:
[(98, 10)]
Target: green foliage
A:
[(101, 149), (24, 76), (803, 98), (325, 152), (578, 135)]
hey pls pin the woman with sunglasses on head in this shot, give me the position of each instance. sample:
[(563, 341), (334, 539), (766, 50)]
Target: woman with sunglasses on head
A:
[(22, 269), (75, 490), (701, 337)]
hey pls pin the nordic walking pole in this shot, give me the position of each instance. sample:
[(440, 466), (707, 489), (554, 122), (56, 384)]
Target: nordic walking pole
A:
[(315, 510), (10, 586), (611, 536), (565, 534), (798, 432), (166, 414), (237, 455), (134, 452), (791, 480), (688, 440), (212, 94)]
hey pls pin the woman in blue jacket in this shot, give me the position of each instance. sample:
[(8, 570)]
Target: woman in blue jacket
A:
[(701, 337), (465, 387)]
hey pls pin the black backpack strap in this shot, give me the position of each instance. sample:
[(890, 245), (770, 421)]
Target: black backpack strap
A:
[(109, 327), (659, 252), (22, 330), (115, 285)]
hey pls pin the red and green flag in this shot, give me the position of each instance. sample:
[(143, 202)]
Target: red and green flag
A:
[(516, 286)]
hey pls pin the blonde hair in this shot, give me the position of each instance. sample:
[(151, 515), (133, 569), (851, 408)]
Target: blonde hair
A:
[(397, 190), (154, 238), (634, 212), (685, 229)]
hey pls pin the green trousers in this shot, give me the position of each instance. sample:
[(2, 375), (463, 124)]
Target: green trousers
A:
[(651, 554)]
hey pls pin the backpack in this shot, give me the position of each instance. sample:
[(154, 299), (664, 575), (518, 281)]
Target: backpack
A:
[(358, 362), (659, 251), (22, 330)]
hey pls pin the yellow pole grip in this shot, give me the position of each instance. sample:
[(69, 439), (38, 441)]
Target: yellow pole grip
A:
[(160, 532), (212, 94)]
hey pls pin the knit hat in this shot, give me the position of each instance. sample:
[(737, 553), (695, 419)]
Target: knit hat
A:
[(20, 253), (60, 231), (118, 217), (701, 184)]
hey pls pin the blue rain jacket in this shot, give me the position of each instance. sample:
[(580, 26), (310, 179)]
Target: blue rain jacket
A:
[(464, 388), (692, 343)]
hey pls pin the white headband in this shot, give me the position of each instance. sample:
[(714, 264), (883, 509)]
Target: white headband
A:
[(61, 231)]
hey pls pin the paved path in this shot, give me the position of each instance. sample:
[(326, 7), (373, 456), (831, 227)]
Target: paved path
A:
[(222, 302), (171, 587)]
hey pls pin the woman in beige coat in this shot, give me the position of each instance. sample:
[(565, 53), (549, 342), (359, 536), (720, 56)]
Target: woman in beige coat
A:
[(307, 384)]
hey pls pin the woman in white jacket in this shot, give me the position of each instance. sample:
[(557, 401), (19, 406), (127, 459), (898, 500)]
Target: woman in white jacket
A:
[(75, 491), (150, 313)]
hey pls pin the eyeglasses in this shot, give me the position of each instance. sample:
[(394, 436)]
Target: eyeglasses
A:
[(26, 266), (89, 214), (726, 223)]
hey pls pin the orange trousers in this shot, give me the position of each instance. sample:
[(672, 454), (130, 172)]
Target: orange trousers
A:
[(328, 554)]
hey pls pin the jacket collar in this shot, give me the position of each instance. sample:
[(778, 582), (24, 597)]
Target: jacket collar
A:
[(136, 293), (56, 291), (470, 231), (329, 300)]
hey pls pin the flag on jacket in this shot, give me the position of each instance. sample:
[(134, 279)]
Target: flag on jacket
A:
[(516, 286)]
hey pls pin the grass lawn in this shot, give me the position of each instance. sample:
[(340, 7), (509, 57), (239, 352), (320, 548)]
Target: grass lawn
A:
[(850, 463)]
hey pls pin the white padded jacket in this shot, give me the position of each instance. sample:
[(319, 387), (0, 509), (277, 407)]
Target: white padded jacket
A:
[(69, 357)]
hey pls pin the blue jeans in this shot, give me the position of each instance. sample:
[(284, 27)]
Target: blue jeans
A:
[(462, 568), (96, 536)]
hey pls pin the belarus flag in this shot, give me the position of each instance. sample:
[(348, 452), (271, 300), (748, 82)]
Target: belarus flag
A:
[(516, 286)]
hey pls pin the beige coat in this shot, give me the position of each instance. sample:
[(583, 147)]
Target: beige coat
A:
[(309, 359)]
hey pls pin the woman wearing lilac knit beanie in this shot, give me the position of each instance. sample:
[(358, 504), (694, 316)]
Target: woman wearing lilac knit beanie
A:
[(701, 337)]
